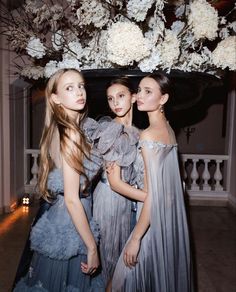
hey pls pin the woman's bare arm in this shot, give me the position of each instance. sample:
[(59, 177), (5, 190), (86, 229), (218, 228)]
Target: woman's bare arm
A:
[(78, 215), (121, 187)]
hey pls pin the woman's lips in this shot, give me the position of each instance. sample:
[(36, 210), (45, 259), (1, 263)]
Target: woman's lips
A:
[(139, 103), (118, 110), (80, 101)]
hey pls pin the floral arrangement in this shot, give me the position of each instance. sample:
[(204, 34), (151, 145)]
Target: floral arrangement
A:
[(97, 34)]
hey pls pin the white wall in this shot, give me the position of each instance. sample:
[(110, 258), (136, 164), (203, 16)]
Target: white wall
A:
[(6, 203)]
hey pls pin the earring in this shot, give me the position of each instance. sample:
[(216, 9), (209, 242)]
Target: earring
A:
[(162, 108)]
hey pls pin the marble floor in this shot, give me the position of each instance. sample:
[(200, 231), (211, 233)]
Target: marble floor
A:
[(213, 235)]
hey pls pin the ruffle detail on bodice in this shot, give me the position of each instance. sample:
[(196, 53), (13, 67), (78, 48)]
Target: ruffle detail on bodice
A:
[(90, 128), (55, 236), (116, 142)]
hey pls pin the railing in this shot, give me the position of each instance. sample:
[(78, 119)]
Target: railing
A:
[(31, 170), (205, 178), (204, 175)]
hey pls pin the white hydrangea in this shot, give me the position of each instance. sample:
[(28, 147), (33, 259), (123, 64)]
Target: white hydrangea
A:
[(126, 44), (232, 25), (194, 61), (73, 50), (35, 48), (69, 63), (177, 26), (224, 33), (50, 68), (138, 9), (157, 30), (203, 19), (149, 64), (58, 40), (95, 54), (93, 12), (169, 50), (33, 72), (180, 10), (225, 54)]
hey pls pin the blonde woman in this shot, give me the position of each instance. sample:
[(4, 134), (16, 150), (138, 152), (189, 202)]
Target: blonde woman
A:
[(64, 238)]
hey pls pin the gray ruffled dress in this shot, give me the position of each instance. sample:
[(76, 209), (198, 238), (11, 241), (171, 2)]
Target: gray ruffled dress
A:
[(111, 210), (164, 262), (58, 247)]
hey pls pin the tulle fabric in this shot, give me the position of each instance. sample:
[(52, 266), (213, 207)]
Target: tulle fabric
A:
[(58, 247)]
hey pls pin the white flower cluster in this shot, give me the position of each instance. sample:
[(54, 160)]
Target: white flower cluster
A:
[(138, 9), (93, 12), (203, 19), (169, 50), (101, 34), (126, 44), (35, 48), (33, 72), (52, 66), (225, 54)]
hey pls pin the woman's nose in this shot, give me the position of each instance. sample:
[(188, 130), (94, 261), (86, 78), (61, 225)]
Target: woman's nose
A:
[(115, 101), (79, 91)]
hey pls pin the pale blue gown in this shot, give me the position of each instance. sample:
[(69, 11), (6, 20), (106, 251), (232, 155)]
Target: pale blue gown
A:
[(164, 261), (111, 210), (58, 247)]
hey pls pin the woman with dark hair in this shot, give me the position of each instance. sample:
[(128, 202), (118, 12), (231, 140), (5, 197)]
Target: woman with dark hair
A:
[(64, 239), (157, 254), (118, 146)]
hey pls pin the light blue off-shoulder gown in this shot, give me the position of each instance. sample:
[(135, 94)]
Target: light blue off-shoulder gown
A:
[(164, 261)]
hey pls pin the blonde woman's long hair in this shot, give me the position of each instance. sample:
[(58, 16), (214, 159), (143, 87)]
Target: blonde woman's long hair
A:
[(73, 150)]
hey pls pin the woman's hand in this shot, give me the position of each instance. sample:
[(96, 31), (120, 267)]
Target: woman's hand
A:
[(131, 252), (92, 262)]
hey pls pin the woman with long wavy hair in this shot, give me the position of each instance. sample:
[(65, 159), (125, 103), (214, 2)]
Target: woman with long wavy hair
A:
[(64, 238)]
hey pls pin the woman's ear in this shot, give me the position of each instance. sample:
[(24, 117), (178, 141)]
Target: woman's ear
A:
[(55, 99), (133, 98), (164, 98)]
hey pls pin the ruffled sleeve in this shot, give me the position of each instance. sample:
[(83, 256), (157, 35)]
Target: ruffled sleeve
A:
[(116, 142), (91, 129)]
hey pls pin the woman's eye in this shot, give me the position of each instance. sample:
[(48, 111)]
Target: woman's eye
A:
[(81, 86), (69, 88), (109, 98), (139, 89), (121, 95), (148, 91)]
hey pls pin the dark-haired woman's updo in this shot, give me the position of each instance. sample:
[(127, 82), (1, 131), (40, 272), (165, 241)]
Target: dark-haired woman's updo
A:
[(123, 80), (163, 81)]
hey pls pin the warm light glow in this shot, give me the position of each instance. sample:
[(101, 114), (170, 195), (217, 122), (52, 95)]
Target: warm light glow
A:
[(25, 201), (12, 218), (25, 209)]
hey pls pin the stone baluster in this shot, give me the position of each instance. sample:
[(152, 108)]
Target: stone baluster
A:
[(218, 176), (206, 176), (194, 176), (34, 169)]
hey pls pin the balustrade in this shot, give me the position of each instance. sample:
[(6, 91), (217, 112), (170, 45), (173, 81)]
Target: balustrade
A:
[(201, 173)]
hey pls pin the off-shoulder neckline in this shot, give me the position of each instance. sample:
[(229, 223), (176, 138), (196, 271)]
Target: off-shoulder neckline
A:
[(157, 143)]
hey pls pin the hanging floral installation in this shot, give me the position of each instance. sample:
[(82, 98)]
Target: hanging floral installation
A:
[(100, 34)]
